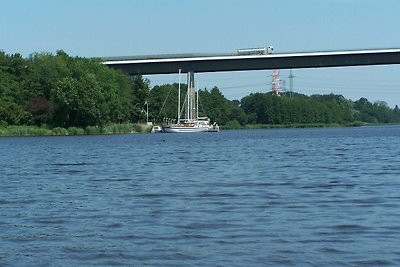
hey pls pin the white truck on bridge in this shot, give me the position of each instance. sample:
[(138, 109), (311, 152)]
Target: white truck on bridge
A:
[(256, 51)]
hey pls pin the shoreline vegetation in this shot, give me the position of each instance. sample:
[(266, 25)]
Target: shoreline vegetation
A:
[(60, 95), (25, 131), (131, 128)]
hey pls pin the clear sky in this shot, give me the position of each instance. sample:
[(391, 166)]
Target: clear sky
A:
[(96, 28)]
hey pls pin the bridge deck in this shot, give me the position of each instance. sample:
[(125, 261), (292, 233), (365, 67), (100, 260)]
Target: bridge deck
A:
[(164, 64)]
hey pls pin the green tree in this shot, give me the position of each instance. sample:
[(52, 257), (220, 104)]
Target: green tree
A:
[(140, 94), (78, 102), (41, 110), (45, 73), (163, 101), (13, 114), (215, 106)]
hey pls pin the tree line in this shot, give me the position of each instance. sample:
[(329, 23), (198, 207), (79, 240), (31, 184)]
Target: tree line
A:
[(289, 108), (63, 91)]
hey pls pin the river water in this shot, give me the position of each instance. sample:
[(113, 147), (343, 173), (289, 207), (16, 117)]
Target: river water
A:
[(288, 197)]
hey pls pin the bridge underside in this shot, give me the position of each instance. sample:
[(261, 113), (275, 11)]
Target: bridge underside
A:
[(260, 62)]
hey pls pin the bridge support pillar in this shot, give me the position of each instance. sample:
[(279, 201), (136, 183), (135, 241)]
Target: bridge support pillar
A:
[(191, 96)]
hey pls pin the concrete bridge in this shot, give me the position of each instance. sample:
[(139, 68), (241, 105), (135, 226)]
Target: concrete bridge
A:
[(192, 63)]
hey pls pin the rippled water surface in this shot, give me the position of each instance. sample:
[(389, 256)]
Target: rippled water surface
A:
[(295, 197)]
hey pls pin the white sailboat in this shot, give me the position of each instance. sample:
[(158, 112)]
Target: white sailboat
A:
[(191, 122)]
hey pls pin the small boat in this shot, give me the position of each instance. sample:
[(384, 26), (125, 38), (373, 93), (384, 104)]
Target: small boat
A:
[(214, 127), (192, 123), (156, 129)]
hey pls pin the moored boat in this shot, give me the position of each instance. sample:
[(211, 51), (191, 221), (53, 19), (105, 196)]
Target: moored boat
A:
[(192, 123), (156, 129)]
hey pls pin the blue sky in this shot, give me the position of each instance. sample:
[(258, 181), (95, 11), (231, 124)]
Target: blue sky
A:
[(95, 28)]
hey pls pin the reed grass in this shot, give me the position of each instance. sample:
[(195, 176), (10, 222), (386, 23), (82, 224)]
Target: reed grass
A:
[(24, 131), (127, 128)]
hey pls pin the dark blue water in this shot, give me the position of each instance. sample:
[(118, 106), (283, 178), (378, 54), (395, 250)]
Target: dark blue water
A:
[(296, 197)]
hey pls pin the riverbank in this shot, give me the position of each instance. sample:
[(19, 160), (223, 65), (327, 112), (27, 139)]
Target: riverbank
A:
[(293, 125), (11, 131), (132, 128)]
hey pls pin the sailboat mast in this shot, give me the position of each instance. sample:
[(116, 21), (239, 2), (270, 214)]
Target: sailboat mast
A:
[(197, 100), (179, 96), (188, 97), (147, 112)]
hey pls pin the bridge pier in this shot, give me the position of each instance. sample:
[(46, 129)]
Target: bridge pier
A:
[(191, 96)]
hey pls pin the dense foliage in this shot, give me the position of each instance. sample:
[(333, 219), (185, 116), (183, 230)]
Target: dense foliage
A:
[(62, 91)]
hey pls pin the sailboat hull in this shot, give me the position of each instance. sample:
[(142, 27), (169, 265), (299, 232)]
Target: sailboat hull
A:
[(184, 129)]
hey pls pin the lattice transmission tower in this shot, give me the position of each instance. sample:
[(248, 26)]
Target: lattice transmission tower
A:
[(276, 86)]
